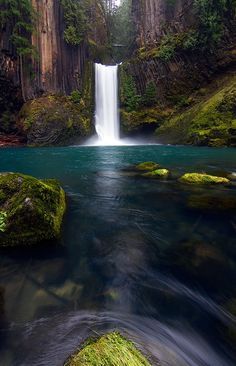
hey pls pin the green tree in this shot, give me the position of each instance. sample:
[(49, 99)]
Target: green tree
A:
[(150, 96), (18, 16), (75, 21)]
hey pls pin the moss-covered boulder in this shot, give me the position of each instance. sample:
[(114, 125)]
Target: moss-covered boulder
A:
[(158, 173), (211, 121), (31, 210), (205, 179), (109, 350), (55, 120), (147, 166)]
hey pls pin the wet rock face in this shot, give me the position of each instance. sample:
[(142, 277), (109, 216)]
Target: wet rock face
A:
[(31, 210)]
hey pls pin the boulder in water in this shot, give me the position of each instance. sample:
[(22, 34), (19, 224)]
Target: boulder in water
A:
[(147, 166), (31, 210), (201, 178), (158, 173), (54, 120), (109, 350)]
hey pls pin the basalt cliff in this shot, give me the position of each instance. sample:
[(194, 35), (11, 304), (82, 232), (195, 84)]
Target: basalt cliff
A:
[(180, 80), (177, 78), (47, 47)]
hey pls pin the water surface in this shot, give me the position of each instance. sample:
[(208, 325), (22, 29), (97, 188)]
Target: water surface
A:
[(134, 256)]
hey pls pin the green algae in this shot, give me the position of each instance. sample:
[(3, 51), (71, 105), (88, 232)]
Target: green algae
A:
[(32, 210), (200, 178), (158, 173), (109, 350)]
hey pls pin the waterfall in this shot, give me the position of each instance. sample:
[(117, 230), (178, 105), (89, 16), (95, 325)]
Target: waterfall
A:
[(107, 116)]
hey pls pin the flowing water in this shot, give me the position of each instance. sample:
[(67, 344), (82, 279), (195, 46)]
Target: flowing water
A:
[(135, 257), (106, 115)]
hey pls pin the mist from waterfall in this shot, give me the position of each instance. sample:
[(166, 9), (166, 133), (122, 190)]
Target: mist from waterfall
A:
[(107, 115)]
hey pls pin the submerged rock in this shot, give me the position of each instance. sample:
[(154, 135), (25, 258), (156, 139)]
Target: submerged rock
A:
[(109, 350), (212, 202), (147, 166), (158, 173), (199, 178), (31, 210)]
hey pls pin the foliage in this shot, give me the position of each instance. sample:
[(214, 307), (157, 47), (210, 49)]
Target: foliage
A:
[(211, 21), (75, 96), (122, 30), (75, 21), (3, 217), (213, 17), (167, 47), (150, 96), (19, 16), (130, 98)]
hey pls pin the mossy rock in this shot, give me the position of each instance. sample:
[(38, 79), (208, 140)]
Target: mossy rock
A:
[(54, 120), (147, 166), (212, 203), (205, 179), (142, 119), (31, 210), (211, 121), (109, 350), (158, 173)]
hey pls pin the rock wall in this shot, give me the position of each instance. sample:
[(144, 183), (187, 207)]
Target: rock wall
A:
[(187, 69), (58, 67), (154, 17)]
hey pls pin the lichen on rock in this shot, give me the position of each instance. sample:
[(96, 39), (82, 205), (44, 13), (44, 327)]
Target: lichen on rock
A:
[(31, 210), (200, 178), (109, 350)]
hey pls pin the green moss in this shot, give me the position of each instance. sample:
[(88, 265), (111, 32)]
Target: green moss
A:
[(132, 121), (158, 173), (147, 165), (32, 210), (55, 120), (3, 219), (109, 350), (205, 179), (210, 122)]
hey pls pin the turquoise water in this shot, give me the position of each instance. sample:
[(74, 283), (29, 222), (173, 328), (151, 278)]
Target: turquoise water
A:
[(134, 256)]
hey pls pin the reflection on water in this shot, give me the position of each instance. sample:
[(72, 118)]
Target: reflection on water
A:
[(141, 256)]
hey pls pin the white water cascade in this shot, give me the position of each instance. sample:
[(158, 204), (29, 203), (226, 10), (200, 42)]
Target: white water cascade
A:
[(107, 116)]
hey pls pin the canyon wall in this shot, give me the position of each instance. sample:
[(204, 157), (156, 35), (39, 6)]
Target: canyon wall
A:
[(58, 67), (162, 55)]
